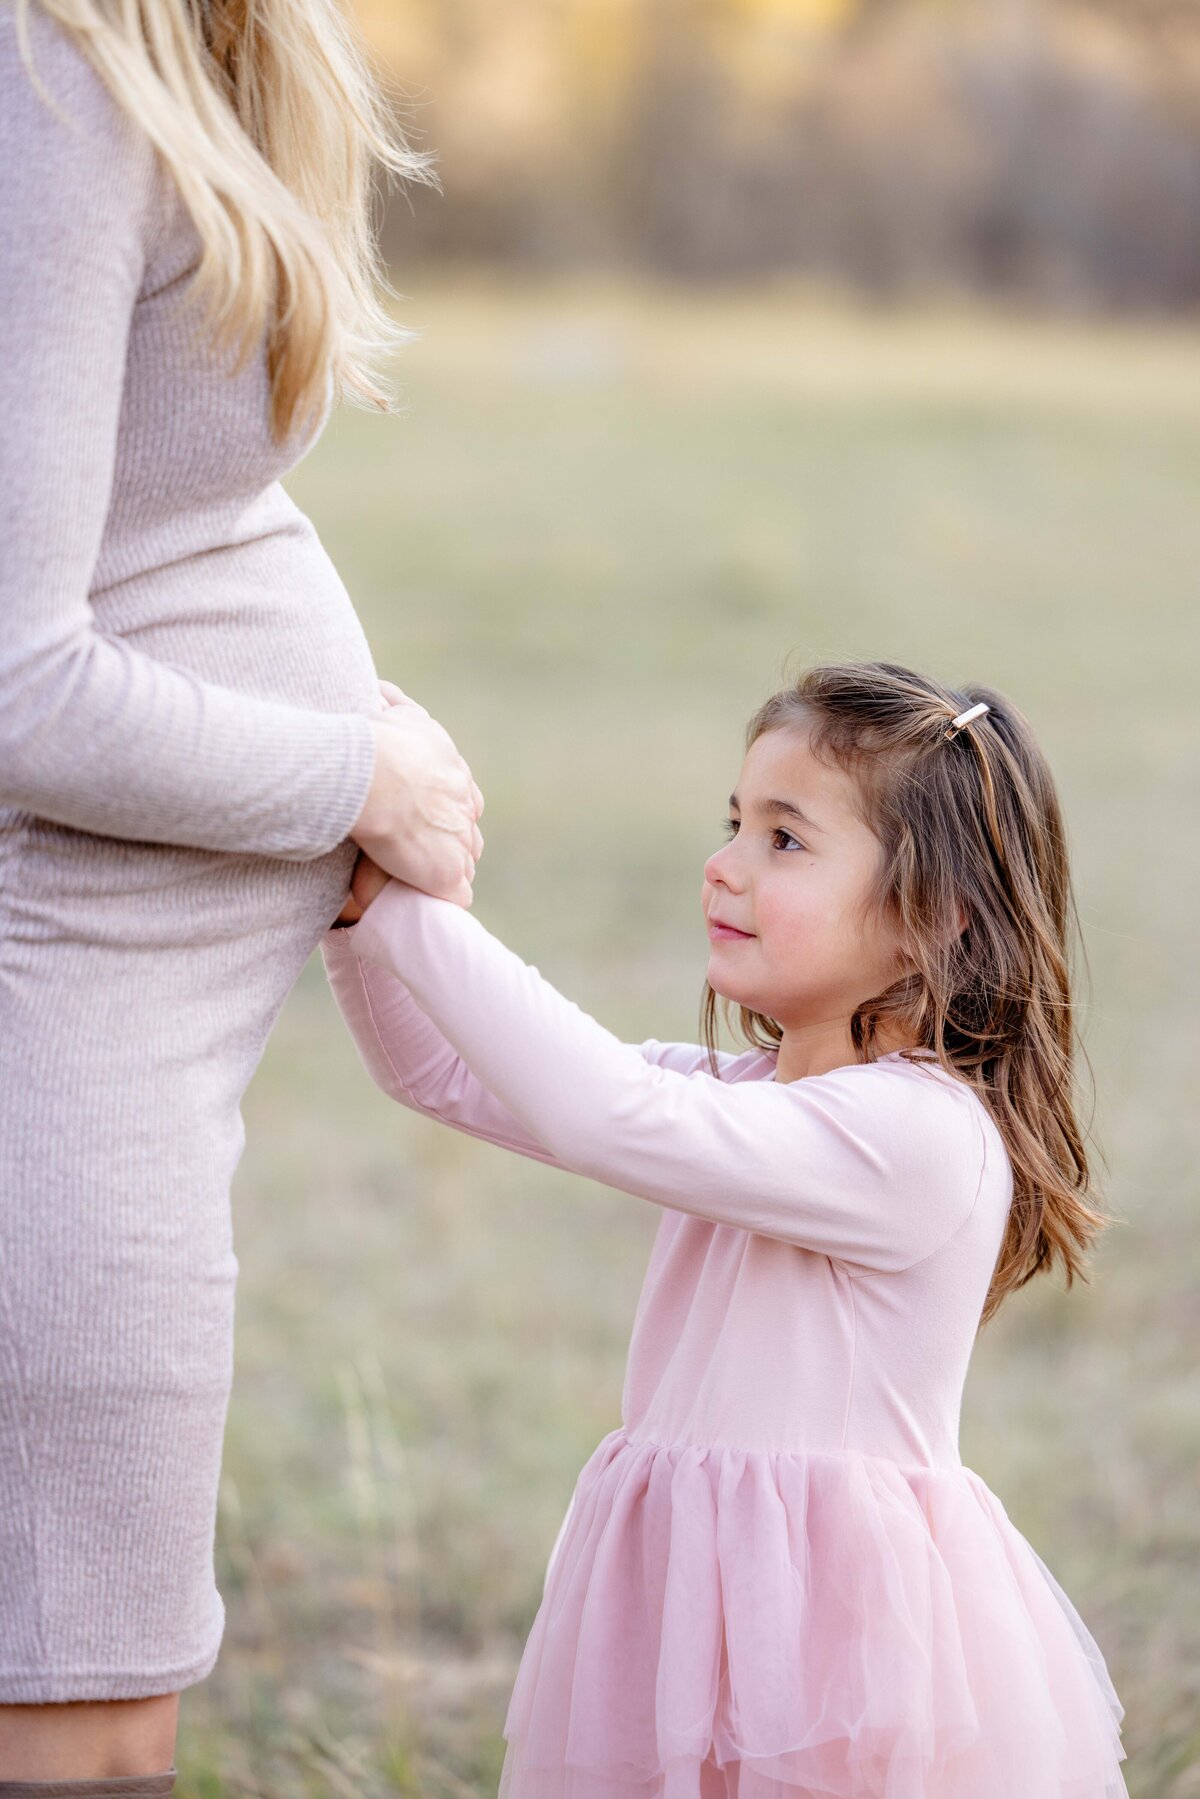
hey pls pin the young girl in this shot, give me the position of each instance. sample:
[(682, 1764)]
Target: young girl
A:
[(776, 1579)]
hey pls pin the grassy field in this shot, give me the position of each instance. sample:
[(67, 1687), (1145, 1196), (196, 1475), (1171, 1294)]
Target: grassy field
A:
[(604, 522)]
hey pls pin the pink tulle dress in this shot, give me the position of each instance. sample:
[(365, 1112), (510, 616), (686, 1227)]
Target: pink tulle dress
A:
[(776, 1578)]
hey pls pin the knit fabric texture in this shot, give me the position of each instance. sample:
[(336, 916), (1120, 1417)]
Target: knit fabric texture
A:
[(185, 742)]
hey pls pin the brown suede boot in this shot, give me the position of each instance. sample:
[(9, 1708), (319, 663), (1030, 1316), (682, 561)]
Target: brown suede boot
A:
[(116, 1786)]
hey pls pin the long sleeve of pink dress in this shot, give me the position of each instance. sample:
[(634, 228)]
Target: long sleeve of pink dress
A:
[(776, 1578)]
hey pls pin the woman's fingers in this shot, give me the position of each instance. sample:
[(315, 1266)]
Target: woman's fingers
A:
[(463, 893), (396, 696), (425, 790), (474, 791), (392, 696)]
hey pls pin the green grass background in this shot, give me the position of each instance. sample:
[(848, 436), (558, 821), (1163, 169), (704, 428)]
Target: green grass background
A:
[(606, 519)]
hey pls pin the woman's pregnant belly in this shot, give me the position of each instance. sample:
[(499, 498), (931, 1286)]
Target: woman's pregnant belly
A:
[(267, 615)]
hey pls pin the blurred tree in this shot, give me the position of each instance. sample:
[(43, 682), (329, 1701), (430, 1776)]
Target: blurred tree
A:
[(1043, 148)]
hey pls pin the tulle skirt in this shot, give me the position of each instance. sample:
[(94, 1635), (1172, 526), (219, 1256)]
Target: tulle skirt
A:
[(823, 1625)]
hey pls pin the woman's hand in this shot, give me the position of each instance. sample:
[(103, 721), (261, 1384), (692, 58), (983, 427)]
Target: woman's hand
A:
[(419, 819)]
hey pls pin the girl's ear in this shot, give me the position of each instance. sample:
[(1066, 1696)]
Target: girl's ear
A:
[(962, 919)]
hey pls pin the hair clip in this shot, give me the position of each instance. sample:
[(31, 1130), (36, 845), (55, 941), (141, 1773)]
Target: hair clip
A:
[(964, 718)]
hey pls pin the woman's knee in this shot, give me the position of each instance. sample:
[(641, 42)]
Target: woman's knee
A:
[(88, 1739)]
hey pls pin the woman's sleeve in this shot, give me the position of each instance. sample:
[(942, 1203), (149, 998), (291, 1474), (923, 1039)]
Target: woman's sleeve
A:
[(874, 1166), (94, 733), (410, 1060)]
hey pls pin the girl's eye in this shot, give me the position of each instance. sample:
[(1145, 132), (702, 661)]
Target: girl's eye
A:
[(731, 825)]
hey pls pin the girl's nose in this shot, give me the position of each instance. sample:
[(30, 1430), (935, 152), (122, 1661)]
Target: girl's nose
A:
[(721, 867)]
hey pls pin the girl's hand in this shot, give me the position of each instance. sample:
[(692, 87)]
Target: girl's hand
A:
[(366, 882), (430, 861)]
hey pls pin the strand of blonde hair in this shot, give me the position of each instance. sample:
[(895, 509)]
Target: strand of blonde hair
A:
[(271, 118)]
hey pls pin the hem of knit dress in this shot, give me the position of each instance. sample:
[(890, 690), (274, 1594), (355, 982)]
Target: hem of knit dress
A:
[(114, 1786), (56, 1687)]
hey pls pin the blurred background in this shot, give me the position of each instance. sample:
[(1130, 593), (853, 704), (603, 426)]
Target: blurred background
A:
[(752, 332), (1037, 149)]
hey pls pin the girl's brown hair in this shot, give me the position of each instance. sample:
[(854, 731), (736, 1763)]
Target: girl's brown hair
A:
[(970, 826)]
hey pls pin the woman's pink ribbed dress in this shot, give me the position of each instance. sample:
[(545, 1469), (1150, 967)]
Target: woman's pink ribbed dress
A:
[(186, 698), (778, 1564)]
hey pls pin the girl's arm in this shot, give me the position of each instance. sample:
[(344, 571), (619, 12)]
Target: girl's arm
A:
[(410, 1059), (871, 1165)]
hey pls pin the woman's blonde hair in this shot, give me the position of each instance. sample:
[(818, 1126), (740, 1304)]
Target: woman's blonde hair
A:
[(971, 827), (268, 114)]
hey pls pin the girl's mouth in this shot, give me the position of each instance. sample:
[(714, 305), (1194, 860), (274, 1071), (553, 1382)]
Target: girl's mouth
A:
[(726, 933)]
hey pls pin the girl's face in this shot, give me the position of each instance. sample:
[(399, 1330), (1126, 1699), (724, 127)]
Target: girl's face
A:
[(795, 886)]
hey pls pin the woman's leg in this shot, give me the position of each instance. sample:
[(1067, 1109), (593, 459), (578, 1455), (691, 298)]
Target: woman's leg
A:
[(117, 1284), (88, 1739)]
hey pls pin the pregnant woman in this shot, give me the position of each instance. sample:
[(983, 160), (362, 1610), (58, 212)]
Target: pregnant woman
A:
[(193, 745)]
